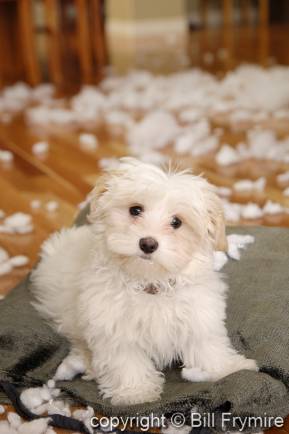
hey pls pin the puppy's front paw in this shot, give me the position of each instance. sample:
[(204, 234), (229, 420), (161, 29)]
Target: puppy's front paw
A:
[(132, 396)]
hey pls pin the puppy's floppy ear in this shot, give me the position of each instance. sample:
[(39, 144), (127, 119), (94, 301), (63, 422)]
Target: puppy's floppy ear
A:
[(216, 220), (100, 188), (103, 184)]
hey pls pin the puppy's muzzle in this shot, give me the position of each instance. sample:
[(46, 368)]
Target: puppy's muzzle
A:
[(148, 245)]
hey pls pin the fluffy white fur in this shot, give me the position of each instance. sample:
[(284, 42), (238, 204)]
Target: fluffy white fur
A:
[(91, 284)]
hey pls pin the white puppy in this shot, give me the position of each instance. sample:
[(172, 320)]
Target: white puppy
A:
[(136, 290)]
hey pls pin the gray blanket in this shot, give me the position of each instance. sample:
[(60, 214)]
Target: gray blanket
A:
[(258, 323)]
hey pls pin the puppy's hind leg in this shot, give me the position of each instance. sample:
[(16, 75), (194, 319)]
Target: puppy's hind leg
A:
[(215, 358)]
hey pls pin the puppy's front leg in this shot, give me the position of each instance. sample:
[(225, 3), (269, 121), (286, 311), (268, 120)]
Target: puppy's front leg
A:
[(127, 376), (213, 358)]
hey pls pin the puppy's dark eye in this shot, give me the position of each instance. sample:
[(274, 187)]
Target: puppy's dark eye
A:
[(176, 222), (136, 210)]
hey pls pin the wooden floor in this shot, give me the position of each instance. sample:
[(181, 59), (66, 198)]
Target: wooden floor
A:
[(68, 173)]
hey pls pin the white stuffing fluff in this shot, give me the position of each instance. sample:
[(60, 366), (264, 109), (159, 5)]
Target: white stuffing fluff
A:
[(108, 163), (18, 219), (184, 143), (2, 409), (5, 230), (88, 141), (119, 120), (224, 191), (5, 428), (58, 407), (2, 296), (263, 144), (235, 211), (251, 211), (247, 89), (37, 399), (43, 400), (3, 255), (35, 204), (81, 414), (51, 384), (40, 148), (27, 229), (7, 264), (240, 116), (286, 191), (272, 208), (5, 268), (196, 139), (248, 185), (156, 130), (205, 146), (37, 426), (283, 178), (19, 261), (14, 419), (15, 425), (232, 211), (14, 98), (227, 155), (52, 206), (42, 92), (237, 242), (190, 115), (6, 156), (85, 416), (250, 94), (32, 397), (220, 259), (44, 115), (18, 222)]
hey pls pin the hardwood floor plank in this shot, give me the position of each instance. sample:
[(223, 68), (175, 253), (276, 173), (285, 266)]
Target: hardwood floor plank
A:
[(55, 165)]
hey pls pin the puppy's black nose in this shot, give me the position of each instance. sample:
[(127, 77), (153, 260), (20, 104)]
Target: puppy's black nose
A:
[(148, 244)]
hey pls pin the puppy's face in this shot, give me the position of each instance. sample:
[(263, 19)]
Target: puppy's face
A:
[(154, 222)]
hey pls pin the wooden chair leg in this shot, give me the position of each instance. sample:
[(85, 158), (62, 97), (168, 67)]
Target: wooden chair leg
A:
[(264, 12), (84, 43), (27, 41), (98, 37), (53, 45), (246, 12), (204, 6), (228, 12)]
